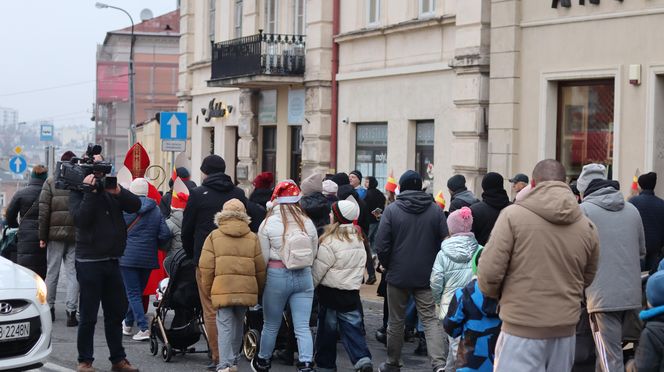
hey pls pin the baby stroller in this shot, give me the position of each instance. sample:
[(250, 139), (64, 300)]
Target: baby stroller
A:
[(179, 293)]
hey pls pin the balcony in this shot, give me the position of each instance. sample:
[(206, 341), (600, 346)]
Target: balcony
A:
[(257, 61)]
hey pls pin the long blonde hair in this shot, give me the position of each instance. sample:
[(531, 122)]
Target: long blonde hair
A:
[(335, 231), (286, 210)]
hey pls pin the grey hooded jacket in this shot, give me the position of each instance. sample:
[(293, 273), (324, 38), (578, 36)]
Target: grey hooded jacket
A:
[(617, 285)]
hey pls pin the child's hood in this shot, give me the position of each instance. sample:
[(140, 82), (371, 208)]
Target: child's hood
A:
[(460, 248), (233, 223)]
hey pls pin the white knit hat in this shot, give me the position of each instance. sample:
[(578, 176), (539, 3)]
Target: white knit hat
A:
[(348, 210), (330, 187), (139, 187), (590, 172)]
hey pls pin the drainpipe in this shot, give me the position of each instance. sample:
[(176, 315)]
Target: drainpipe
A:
[(335, 88)]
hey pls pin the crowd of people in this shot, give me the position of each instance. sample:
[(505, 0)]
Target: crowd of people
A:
[(549, 279)]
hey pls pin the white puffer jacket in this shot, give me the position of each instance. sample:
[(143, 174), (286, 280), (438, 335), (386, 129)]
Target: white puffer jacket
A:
[(339, 263), (271, 231)]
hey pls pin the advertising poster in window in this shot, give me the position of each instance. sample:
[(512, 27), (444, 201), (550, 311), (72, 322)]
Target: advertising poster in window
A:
[(296, 106), (267, 107)]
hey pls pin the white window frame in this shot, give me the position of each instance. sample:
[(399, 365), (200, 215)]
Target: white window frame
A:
[(299, 12), (275, 17), (429, 13), (237, 15), (212, 13), (375, 22)]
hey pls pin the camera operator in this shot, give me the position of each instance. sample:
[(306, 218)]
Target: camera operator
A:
[(101, 236)]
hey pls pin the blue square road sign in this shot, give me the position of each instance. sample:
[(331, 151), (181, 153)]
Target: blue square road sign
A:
[(173, 125)]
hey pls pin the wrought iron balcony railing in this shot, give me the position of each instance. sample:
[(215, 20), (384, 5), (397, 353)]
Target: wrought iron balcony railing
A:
[(260, 54)]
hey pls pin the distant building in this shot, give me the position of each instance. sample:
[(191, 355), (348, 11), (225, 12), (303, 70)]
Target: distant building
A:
[(8, 116), (156, 51)]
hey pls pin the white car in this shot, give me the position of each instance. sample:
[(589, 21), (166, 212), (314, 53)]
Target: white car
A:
[(25, 318)]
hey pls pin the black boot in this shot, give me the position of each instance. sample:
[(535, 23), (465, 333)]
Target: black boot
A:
[(421, 349), (372, 279), (52, 314), (381, 336), (71, 319), (305, 367), (260, 365)]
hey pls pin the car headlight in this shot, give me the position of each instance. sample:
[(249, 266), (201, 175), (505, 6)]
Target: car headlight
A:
[(41, 289)]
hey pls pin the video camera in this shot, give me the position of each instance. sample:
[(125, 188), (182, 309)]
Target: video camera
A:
[(70, 175)]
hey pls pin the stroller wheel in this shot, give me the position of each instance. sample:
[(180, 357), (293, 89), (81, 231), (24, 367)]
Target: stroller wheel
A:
[(250, 343), (166, 353), (154, 345)]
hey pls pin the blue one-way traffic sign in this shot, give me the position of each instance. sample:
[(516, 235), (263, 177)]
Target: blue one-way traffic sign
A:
[(173, 125), (17, 164)]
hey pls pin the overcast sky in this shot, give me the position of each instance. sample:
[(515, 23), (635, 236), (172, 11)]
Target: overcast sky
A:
[(46, 44)]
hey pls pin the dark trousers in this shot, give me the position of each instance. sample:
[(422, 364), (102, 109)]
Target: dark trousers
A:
[(349, 324), (100, 282)]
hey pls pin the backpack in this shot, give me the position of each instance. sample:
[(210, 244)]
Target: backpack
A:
[(296, 252)]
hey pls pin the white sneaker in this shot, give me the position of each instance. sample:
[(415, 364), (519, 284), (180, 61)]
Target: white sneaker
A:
[(142, 335), (127, 331), (227, 369)]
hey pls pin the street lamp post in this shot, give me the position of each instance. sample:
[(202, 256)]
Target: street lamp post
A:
[(132, 123)]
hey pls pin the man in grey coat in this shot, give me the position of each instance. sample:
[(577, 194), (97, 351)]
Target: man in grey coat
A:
[(616, 291), (407, 242)]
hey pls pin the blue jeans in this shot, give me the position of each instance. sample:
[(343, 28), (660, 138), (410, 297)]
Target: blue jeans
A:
[(135, 279), (412, 320), (100, 282), (230, 326), (350, 326), (295, 287)]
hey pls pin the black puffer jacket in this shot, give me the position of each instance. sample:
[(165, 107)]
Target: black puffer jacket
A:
[(650, 353), (374, 199), (55, 222), (204, 202), (408, 239), (25, 204), (261, 196), (485, 213), (101, 231), (651, 209), (316, 207)]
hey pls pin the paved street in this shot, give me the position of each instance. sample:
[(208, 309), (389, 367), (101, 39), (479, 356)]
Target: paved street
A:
[(64, 354)]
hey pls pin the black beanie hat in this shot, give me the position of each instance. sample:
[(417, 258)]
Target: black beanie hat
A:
[(213, 164), (492, 181), (357, 174), (648, 181), (410, 180), (457, 183), (341, 179)]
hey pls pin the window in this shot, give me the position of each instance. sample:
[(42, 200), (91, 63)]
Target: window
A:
[(271, 16), (373, 12), (296, 153), (298, 17), (371, 151), (211, 19), (238, 18), (427, 8), (585, 124), (269, 160), (424, 140)]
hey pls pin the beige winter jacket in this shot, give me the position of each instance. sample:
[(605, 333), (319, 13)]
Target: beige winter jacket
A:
[(542, 254), (340, 264), (231, 264)]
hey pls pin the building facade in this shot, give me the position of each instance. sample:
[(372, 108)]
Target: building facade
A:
[(580, 84), (8, 117), (413, 88), (156, 50), (255, 78)]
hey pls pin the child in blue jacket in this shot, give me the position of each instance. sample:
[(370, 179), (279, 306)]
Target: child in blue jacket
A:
[(475, 318)]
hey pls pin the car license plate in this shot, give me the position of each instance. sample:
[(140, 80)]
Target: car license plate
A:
[(14, 331)]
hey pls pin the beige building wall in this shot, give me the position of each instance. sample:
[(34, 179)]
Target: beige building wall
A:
[(195, 92), (410, 67), (535, 47)]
